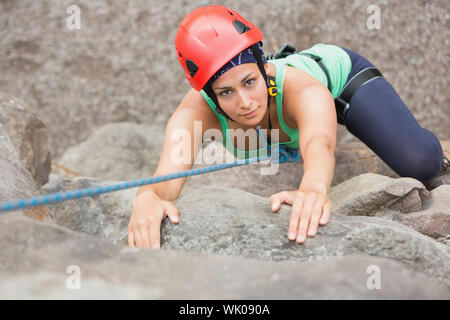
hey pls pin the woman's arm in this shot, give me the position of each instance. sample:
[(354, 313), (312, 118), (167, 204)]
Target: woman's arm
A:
[(313, 109), (316, 119), (153, 203), (180, 124)]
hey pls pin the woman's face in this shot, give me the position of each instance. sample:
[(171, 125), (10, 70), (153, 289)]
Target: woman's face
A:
[(242, 93)]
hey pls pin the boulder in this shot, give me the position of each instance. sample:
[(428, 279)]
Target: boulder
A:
[(37, 261), (434, 220), (16, 182), (116, 151), (220, 220), (28, 134), (376, 195), (106, 215)]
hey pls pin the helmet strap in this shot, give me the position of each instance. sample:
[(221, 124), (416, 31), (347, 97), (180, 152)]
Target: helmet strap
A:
[(209, 91), (270, 82)]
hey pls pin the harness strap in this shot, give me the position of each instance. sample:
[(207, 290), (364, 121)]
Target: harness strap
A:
[(322, 66), (342, 102)]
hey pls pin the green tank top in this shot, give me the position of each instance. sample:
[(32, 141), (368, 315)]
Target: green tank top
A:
[(336, 61)]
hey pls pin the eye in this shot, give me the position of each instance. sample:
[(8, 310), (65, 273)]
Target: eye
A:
[(249, 82), (225, 93)]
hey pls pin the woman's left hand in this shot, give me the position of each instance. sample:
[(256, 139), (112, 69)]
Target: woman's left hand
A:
[(309, 209)]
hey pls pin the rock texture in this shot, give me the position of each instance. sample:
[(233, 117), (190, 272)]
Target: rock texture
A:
[(120, 151), (35, 261), (233, 222), (434, 220), (15, 181), (28, 134)]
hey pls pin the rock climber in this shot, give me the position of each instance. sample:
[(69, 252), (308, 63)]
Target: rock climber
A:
[(304, 95)]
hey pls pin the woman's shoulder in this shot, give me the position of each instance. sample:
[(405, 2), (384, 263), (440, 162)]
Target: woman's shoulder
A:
[(194, 106), (294, 82)]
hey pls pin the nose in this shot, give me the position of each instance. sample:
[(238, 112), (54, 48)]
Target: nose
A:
[(244, 100)]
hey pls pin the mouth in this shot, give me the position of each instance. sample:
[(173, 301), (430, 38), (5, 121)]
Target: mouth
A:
[(251, 113)]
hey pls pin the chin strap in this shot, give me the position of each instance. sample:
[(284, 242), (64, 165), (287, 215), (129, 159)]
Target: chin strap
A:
[(272, 92), (270, 82)]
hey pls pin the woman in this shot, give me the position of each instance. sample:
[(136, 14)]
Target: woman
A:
[(234, 87)]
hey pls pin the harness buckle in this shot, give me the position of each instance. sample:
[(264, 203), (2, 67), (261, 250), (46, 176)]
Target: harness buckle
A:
[(342, 107)]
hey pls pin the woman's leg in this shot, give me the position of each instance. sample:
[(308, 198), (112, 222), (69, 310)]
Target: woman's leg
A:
[(379, 118)]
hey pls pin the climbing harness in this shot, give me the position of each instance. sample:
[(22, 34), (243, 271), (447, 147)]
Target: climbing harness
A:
[(342, 103)]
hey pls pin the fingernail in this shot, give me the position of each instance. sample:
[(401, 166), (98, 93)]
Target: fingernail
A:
[(273, 206), (292, 236), (300, 239)]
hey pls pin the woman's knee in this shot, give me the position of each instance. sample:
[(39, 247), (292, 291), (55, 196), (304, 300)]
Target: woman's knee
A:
[(424, 161)]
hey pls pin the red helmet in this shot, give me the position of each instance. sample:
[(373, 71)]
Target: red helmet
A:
[(208, 38)]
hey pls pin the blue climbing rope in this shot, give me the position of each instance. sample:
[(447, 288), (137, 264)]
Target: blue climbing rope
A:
[(285, 155)]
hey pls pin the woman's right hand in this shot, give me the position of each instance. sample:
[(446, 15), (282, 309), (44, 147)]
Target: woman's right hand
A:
[(145, 223)]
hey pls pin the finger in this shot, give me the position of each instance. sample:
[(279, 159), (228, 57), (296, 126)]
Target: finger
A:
[(277, 199), (326, 213), (315, 217), (131, 238), (173, 213), (155, 234), (144, 236), (295, 216), (137, 239), (305, 217)]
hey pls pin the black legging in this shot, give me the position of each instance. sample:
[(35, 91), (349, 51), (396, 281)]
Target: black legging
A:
[(379, 118)]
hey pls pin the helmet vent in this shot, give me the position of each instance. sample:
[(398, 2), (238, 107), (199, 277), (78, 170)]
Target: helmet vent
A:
[(192, 67), (240, 27)]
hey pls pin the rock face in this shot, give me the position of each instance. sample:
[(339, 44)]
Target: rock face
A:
[(233, 222), (15, 181), (375, 195), (105, 216), (117, 151), (434, 220), (28, 134), (35, 259), (121, 64)]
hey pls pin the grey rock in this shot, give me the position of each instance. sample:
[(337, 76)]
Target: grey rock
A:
[(434, 220), (105, 216), (34, 261), (28, 134), (234, 222), (16, 182), (376, 195), (117, 151)]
